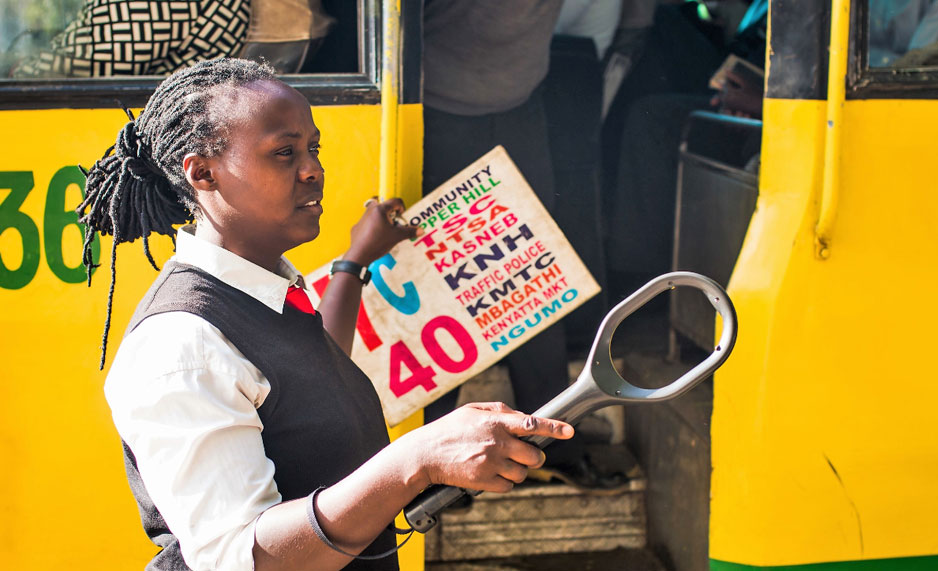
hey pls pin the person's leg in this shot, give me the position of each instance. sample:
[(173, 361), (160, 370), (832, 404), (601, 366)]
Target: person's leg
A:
[(523, 133), (573, 97), (538, 369), (675, 58), (641, 216)]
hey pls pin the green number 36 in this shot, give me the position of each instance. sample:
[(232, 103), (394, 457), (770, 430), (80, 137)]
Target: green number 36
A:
[(56, 219)]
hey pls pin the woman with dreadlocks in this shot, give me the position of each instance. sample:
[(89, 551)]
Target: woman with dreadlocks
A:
[(251, 439)]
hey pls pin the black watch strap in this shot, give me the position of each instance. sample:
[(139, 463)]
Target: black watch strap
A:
[(363, 273)]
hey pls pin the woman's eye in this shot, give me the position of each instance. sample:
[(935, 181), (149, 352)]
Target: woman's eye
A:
[(314, 149), (285, 152)]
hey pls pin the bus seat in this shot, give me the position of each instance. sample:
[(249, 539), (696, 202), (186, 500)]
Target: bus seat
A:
[(285, 57), (717, 186), (285, 33)]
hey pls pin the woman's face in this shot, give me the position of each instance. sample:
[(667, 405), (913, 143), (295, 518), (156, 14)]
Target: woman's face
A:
[(268, 183)]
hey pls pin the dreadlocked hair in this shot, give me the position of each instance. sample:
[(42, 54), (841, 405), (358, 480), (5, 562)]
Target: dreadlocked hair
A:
[(139, 185)]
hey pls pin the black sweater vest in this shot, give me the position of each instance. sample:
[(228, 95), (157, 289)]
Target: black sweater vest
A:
[(322, 418)]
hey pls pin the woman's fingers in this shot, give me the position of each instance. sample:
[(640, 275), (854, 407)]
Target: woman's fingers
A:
[(514, 472), (493, 407), (480, 446), (392, 209), (520, 425), (378, 230), (394, 205), (528, 425), (525, 455), (501, 485)]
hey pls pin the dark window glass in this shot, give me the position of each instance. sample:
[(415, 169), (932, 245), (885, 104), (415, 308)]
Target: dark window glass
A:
[(111, 38), (902, 34), (89, 53)]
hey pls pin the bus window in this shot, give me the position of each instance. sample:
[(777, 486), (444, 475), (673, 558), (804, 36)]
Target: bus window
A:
[(102, 38), (902, 34), (78, 53), (893, 50), (28, 27)]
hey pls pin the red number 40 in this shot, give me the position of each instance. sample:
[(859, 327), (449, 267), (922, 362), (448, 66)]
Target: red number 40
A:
[(420, 375), (401, 355)]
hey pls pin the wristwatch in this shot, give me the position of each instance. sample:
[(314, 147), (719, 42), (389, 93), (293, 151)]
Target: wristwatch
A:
[(363, 273)]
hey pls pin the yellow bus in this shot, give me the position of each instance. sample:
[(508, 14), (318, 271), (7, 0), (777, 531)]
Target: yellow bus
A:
[(824, 443), (824, 431)]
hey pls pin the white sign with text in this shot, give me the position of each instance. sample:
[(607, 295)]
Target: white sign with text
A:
[(490, 272)]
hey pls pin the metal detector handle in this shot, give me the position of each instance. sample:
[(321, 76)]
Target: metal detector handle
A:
[(423, 511), (600, 385)]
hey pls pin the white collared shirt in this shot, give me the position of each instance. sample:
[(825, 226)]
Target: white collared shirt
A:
[(185, 400)]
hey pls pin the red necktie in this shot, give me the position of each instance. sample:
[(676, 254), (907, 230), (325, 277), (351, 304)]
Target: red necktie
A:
[(298, 299)]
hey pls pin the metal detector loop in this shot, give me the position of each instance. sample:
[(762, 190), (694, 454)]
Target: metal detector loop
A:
[(600, 385), (605, 374)]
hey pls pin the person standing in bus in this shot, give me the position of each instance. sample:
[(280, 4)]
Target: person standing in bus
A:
[(483, 65), (251, 440)]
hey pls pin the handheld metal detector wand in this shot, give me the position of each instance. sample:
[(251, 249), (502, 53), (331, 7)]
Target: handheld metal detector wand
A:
[(600, 385)]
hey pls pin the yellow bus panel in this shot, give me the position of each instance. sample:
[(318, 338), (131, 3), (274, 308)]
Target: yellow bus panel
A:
[(66, 503)]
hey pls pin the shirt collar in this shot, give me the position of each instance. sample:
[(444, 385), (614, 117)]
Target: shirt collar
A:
[(266, 287)]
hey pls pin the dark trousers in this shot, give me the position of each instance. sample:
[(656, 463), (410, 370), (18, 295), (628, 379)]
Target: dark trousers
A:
[(641, 136), (641, 210), (573, 98), (538, 369)]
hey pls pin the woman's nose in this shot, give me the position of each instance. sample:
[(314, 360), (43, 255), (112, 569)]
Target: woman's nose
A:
[(311, 169)]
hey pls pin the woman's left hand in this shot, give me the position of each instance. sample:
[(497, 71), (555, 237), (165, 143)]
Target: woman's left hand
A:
[(378, 230)]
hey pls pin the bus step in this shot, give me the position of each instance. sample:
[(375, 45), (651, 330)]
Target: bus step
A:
[(536, 519)]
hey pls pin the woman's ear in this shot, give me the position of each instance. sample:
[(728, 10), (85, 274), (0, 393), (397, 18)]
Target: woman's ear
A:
[(198, 171)]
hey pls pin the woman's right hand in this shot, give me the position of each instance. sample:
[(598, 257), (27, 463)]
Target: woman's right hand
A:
[(478, 446)]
